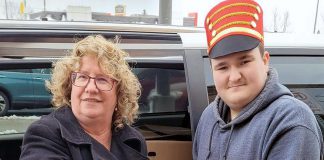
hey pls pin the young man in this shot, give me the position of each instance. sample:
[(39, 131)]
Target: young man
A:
[(253, 116)]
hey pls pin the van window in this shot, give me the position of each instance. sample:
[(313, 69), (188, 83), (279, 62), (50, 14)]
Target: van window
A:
[(299, 70), (304, 77), (163, 104)]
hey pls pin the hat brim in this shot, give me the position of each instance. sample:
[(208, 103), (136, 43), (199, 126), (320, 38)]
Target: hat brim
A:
[(233, 44)]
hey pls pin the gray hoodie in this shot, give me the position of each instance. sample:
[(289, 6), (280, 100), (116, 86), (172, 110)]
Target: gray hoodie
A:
[(275, 125)]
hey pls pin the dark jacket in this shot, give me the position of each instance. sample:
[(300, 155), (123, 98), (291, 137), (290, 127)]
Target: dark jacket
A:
[(273, 126), (60, 136)]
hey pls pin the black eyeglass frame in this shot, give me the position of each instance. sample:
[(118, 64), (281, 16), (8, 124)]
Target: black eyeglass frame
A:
[(73, 76)]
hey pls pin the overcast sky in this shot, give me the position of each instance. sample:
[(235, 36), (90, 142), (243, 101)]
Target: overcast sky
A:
[(301, 12)]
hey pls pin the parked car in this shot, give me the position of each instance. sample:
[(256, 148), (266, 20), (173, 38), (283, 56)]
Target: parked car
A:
[(24, 89), (173, 68)]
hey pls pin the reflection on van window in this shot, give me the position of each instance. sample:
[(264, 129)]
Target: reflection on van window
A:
[(163, 104), (163, 90), (299, 70), (24, 89)]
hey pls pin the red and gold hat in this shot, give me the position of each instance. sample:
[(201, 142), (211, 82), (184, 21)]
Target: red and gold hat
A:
[(234, 26)]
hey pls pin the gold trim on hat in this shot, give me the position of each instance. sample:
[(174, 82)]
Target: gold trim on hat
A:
[(258, 9), (207, 21), (210, 26), (255, 16), (214, 33), (253, 24), (236, 29), (234, 5), (232, 23)]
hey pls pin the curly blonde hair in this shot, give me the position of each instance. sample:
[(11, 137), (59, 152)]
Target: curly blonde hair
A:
[(112, 62)]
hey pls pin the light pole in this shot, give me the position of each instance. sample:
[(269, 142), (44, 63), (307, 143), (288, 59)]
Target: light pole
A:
[(44, 6), (6, 9), (165, 12), (316, 16)]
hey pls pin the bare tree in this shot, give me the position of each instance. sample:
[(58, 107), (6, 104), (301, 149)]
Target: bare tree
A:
[(275, 20), (285, 22), (280, 21), (319, 30)]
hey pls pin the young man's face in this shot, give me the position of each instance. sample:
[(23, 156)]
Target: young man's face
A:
[(239, 77)]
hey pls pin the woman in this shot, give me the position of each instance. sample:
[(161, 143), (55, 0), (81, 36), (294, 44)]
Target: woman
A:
[(96, 94)]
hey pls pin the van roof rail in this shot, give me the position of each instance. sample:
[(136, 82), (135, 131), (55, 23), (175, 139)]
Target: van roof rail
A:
[(96, 26)]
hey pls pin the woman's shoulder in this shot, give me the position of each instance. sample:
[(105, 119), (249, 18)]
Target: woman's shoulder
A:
[(47, 122), (133, 138), (43, 136), (44, 128)]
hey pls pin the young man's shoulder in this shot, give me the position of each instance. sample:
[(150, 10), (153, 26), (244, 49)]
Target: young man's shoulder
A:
[(291, 110), (291, 104), (209, 110)]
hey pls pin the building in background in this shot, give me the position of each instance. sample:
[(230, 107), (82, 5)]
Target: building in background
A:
[(83, 13), (120, 10), (78, 13), (191, 20)]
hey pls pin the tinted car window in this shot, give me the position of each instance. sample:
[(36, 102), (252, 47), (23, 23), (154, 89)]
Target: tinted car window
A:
[(304, 76)]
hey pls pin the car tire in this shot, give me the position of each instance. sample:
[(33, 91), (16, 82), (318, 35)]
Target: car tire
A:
[(4, 104)]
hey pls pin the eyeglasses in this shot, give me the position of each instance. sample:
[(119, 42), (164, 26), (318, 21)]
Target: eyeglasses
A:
[(102, 83)]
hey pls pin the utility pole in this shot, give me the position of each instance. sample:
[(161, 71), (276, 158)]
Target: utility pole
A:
[(6, 5), (165, 12), (316, 17), (44, 5)]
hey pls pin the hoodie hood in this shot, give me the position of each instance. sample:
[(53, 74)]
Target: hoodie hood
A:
[(271, 91)]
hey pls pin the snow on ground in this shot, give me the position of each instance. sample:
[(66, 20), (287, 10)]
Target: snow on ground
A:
[(20, 117), (11, 131), (15, 124)]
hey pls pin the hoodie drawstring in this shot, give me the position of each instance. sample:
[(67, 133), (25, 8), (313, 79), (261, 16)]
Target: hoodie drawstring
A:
[(210, 140), (228, 142)]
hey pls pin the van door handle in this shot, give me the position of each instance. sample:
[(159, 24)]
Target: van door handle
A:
[(151, 154), (38, 78)]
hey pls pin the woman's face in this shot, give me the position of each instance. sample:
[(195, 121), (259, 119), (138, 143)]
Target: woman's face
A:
[(89, 102)]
